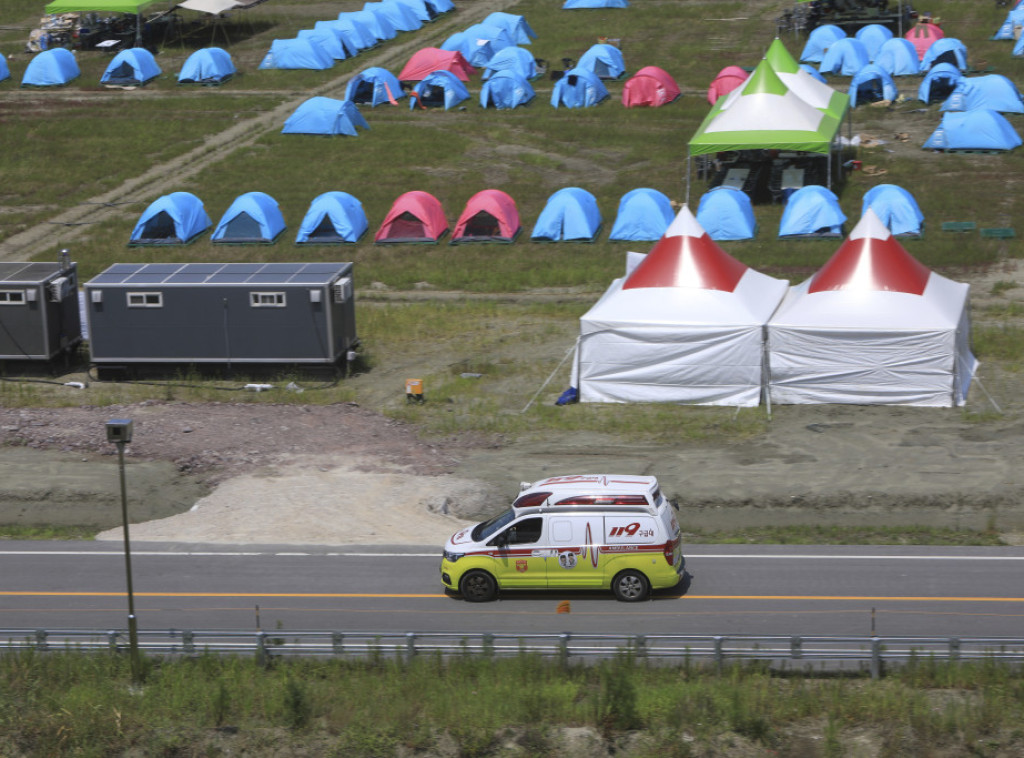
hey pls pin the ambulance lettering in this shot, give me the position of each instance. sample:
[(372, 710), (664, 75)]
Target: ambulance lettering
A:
[(622, 530)]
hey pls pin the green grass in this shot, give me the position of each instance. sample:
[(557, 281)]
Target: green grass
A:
[(68, 704), (49, 532)]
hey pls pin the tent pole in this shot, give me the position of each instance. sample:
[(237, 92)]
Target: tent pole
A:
[(688, 158)]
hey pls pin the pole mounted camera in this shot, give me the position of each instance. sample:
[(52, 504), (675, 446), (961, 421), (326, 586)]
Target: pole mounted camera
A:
[(119, 430)]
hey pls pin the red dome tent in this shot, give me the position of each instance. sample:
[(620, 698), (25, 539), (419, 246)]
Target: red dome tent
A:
[(649, 86), (490, 216), (728, 79), (430, 59), (922, 35), (415, 217)]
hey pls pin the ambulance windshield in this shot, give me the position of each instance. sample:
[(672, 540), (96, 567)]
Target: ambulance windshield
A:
[(485, 529)]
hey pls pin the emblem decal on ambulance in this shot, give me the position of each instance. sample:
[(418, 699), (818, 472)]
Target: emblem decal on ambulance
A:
[(521, 566)]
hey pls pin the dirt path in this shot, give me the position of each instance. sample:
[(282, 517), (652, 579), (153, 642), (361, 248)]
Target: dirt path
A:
[(166, 177)]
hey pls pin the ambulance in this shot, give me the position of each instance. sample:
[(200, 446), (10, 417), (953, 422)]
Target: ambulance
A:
[(598, 531)]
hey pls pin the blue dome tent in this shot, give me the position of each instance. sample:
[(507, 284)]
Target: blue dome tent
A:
[(812, 211), (346, 35), (945, 50), (174, 219), (51, 68), (870, 85), (873, 36), (994, 92), (813, 72), (977, 130), (400, 16), (327, 39), (726, 213), (423, 10), (515, 59), (357, 31), (819, 40), (325, 115), (604, 60), (374, 85), (1014, 19), (210, 65), (1018, 48), (896, 208), (939, 83), (899, 58), (643, 216), (578, 88), (253, 218), (570, 5), (845, 57), (506, 89), (570, 215), (333, 218), (518, 30), (438, 89), (296, 54), (132, 67), (5, 72), (376, 23), (479, 43)]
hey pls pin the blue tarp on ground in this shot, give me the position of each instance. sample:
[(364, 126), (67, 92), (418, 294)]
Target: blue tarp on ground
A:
[(517, 59), (604, 60), (578, 88), (325, 115), (939, 83), (296, 54), (896, 207), (173, 219), (644, 214), (899, 58), (375, 86), (438, 89), (51, 68), (973, 130), (812, 211), (516, 26), (253, 218), (400, 16), (132, 67), (326, 39), (210, 65), (570, 5), (478, 44), (945, 50), (819, 40), (874, 36), (726, 213), (571, 214), (871, 84), (506, 89), (333, 218), (993, 91), (845, 57)]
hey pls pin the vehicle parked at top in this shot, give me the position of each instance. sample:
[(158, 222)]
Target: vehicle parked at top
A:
[(599, 531)]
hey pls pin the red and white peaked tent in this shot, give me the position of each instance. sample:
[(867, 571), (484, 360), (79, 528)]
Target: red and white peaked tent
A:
[(685, 326), (872, 326)]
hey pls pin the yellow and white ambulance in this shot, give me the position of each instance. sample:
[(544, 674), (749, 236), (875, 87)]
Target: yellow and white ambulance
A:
[(600, 531)]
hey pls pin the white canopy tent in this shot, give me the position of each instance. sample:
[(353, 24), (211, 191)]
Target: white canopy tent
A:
[(685, 326), (873, 326)]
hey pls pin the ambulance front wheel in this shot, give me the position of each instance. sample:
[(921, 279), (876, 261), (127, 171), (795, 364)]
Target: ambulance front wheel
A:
[(478, 587), (630, 586)]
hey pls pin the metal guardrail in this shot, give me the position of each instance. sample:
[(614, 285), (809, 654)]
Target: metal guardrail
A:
[(871, 653)]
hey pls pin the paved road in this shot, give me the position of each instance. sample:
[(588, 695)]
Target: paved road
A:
[(732, 590)]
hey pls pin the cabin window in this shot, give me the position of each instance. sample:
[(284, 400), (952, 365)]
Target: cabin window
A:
[(145, 299), (267, 299), (12, 297)]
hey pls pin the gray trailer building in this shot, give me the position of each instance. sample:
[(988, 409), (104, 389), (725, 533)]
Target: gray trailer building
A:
[(39, 316), (221, 313)]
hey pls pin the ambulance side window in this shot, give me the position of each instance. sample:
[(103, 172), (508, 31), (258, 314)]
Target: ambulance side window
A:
[(523, 532)]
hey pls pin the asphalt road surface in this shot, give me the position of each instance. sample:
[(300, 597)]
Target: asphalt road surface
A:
[(762, 590)]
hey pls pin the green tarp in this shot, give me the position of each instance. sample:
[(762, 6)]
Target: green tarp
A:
[(99, 6)]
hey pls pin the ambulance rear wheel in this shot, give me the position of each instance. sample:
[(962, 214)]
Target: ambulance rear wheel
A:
[(478, 587), (630, 586)]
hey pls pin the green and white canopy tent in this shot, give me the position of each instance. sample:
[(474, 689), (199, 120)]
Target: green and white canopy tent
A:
[(765, 114), (104, 6)]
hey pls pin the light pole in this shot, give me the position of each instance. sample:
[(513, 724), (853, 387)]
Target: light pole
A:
[(119, 431)]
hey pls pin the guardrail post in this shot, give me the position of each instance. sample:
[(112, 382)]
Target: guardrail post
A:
[(488, 644), (41, 639), (338, 643), (112, 640), (188, 641), (876, 658), (563, 647), (410, 644), (796, 647), (719, 653), (954, 648), (262, 657), (640, 641)]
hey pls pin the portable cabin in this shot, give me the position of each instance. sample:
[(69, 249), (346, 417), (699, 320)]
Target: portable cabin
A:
[(38, 310), (289, 313)]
